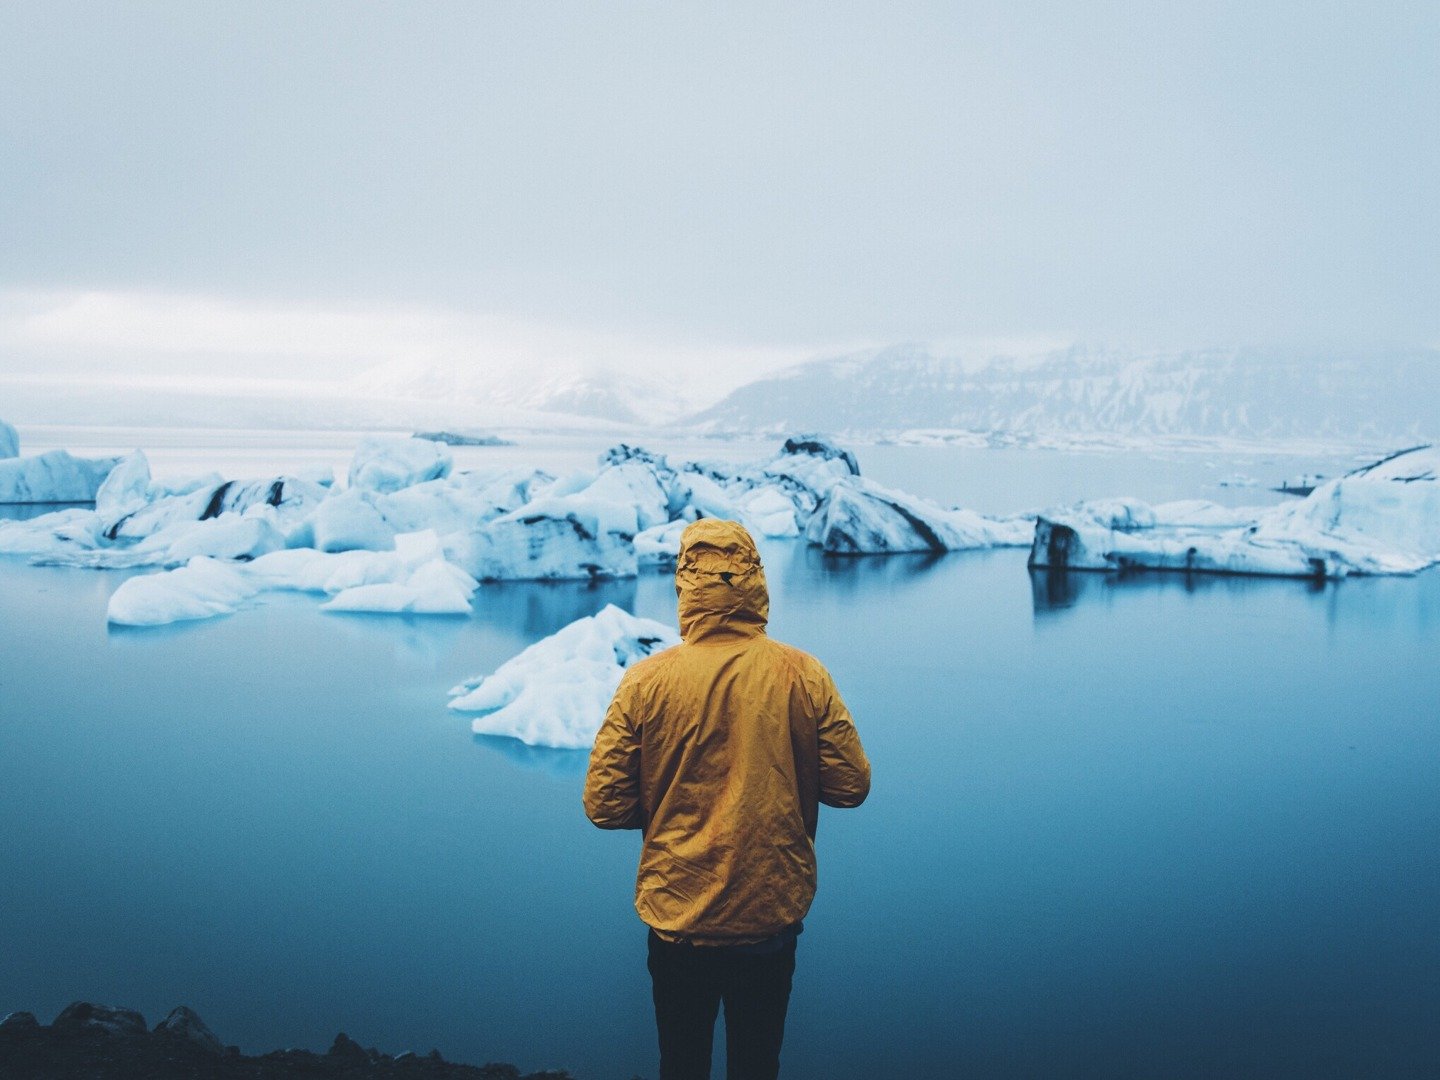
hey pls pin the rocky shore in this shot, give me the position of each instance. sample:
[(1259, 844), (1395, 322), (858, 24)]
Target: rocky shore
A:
[(101, 1042)]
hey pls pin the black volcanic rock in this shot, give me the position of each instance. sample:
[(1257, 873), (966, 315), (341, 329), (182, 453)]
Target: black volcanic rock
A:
[(182, 1023), (101, 1042), (107, 1018)]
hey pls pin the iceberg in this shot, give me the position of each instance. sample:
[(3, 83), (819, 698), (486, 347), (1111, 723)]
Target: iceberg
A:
[(487, 525), (200, 589), (859, 517), (460, 501), (9, 441), (350, 521), (52, 477), (383, 465), (230, 536), (293, 500), (555, 692), (659, 546), (581, 526), (414, 578), (534, 546), (1383, 518), (125, 489), (423, 582)]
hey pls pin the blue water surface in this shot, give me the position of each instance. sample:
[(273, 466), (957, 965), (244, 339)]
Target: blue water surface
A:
[(1152, 827)]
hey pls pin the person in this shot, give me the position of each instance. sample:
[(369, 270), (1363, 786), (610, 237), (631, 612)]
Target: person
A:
[(721, 750)]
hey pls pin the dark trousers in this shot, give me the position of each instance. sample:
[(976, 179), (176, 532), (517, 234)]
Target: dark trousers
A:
[(690, 982)]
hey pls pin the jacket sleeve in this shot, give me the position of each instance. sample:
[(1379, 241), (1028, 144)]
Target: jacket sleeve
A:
[(612, 783), (844, 769)]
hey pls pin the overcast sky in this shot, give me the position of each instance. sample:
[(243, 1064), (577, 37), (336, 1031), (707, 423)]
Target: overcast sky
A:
[(739, 184)]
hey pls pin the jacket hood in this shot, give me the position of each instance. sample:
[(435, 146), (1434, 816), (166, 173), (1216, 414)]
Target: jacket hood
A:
[(720, 582)]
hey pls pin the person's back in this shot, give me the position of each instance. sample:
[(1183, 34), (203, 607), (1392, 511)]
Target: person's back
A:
[(721, 750)]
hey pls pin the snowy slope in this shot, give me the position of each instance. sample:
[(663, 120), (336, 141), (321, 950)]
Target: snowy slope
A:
[(1383, 396)]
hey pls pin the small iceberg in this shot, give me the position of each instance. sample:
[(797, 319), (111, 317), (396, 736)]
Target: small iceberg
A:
[(383, 465), (555, 692), (55, 476), (9, 440), (414, 578), (859, 517), (1380, 519)]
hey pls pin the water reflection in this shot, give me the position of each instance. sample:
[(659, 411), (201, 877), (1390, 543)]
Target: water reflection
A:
[(563, 764), (422, 641), (534, 610), (1059, 590), (852, 576)]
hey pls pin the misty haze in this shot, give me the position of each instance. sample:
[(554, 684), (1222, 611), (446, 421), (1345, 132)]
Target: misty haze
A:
[(1075, 371)]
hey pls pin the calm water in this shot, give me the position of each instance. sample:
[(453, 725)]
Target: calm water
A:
[(1148, 828)]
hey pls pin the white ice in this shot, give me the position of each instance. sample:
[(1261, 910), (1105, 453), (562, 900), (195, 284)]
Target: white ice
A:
[(859, 517), (1381, 519), (609, 522), (52, 477), (384, 464), (555, 692), (414, 578), (200, 589)]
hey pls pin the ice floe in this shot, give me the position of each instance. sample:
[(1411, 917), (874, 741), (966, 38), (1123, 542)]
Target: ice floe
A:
[(200, 589), (413, 578), (859, 517), (52, 477), (385, 464), (624, 515), (1380, 519), (555, 692)]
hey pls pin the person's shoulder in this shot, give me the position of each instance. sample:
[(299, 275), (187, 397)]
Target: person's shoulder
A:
[(647, 669), (801, 661)]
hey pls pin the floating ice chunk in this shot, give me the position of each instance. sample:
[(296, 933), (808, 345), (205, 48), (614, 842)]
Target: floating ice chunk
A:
[(415, 578), (770, 511), (126, 488), (1382, 519), (433, 588), (423, 582), (660, 545), (823, 448), (461, 501), (529, 546), (200, 589), (555, 692), (620, 499), (230, 536), (707, 498), (185, 485), (813, 475), (292, 499), (53, 534), (350, 521), (9, 441), (52, 477), (384, 464), (581, 526), (859, 517)]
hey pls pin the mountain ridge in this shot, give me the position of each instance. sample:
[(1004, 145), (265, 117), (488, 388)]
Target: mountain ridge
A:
[(1230, 392)]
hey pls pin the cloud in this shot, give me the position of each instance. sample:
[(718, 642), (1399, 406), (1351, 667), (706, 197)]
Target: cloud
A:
[(141, 338)]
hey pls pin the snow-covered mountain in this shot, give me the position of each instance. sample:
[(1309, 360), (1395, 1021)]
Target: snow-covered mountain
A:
[(1378, 396)]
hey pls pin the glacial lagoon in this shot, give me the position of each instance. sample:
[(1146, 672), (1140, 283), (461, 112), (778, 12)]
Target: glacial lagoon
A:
[(1155, 826)]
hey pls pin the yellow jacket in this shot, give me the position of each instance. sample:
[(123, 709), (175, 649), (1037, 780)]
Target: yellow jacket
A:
[(722, 749)]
